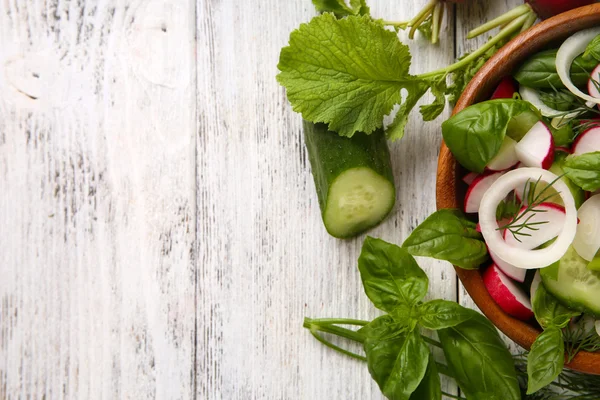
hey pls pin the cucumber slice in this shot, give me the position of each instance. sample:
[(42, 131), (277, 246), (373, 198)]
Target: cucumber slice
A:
[(570, 281), (520, 124), (353, 178)]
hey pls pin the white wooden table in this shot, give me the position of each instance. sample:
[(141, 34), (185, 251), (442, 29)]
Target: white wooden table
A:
[(160, 235)]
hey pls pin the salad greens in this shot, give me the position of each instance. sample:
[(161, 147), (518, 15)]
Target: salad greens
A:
[(340, 8), (475, 135), (448, 235), (398, 355), (584, 170), (593, 49)]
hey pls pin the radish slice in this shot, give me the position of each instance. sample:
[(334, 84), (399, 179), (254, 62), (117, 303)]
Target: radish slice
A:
[(587, 142), (587, 239), (536, 149), (470, 177), (477, 189), (518, 274), (568, 51), (563, 149), (506, 157), (511, 298), (506, 88), (523, 258), (552, 214), (594, 83)]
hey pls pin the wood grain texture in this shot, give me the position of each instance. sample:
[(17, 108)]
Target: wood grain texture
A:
[(97, 209), (266, 261)]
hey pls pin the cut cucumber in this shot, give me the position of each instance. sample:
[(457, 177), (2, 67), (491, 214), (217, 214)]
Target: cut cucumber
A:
[(570, 281), (353, 178), (520, 124)]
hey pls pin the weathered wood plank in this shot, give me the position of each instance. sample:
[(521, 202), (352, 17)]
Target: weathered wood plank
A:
[(265, 260), (97, 170)]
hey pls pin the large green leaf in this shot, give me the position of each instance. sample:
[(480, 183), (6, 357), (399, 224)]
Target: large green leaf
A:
[(546, 359), (448, 235), (584, 170), (390, 276)]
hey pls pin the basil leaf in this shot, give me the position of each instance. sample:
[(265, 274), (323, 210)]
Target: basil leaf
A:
[(584, 170), (482, 365), (475, 134), (563, 136), (397, 360), (546, 359), (548, 311), (593, 49), (430, 387), (539, 71), (390, 275), (448, 235), (440, 314)]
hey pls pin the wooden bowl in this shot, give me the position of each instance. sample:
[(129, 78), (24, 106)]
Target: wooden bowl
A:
[(450, 189)]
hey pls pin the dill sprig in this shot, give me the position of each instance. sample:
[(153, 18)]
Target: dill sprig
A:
[(580, 339), (520, 224)]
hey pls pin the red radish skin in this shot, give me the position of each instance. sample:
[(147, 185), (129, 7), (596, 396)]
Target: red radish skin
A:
[(477, 189), (549, 8), (563, 149), (470, 177), (587, 142), (511, 298), (506, 88), (536, 149)]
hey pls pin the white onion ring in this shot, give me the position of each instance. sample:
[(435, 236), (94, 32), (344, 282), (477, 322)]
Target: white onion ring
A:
[(533, 96), (568, 51), (598, 327), (521, 258)]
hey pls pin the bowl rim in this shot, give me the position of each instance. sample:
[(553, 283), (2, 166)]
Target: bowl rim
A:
[(479, 88)]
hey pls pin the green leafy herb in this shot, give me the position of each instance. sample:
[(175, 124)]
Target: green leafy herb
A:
[(475, 134), (593, 49), (430, 387), (448, 235), (390, 275), (441, 314), (549, 311), (561, 100), (397, 361), (539, 71), (584, 170), (479, 360), (347, 73), (340, 8), (546, 359), (508, 208), (564, 135)]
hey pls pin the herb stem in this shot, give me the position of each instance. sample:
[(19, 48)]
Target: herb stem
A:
[(327, 327), (432, 341), (436, 24), (501, 20), (529, 21), (337, 348), (505, 33), (420, 17), (453, 396), (339, 321), (397, 24)]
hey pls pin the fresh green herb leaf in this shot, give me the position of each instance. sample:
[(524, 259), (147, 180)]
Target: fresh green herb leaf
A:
[(482, 365), (593, 49), (584, 170), (397, 361), (425, 28), (415, 90), (448, 235), (433, 110), (546, 359), (539, 71), (430, 387), (390, 275), (440, 314), (475, 134), (561, 100), (508, 208), (340, 8), (564, 135), (549, 311), (347, 73)]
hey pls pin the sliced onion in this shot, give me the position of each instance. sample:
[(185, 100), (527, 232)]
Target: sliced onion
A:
[(598, 327), (533, 97), (587, 239), (568, 51), (523, 258)]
